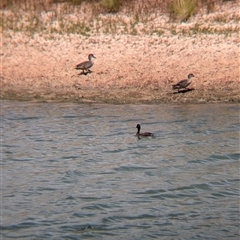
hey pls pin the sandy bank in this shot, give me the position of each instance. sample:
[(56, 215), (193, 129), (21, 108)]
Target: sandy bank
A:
[(128, 69)]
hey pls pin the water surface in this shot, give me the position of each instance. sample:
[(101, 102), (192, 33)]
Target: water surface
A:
[(77, 171)]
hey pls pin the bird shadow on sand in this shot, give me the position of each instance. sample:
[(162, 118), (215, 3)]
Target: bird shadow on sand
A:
[(84, 73), (184, 90)]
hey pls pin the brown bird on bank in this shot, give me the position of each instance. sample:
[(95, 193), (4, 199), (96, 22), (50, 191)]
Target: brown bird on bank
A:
[(145, 134), (85, 66), (183, 83)]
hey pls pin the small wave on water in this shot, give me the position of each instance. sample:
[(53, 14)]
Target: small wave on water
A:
[(77, 171)]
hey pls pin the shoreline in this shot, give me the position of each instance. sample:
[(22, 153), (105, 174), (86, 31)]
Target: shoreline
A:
[(119, 96)]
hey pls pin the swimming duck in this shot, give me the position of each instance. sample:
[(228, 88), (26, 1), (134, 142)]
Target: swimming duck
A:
[(183, 83), (145, 134), (86, 65)]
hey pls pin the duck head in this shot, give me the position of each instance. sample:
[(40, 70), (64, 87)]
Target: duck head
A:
[(190, 75), (138, 126), (91, 56)]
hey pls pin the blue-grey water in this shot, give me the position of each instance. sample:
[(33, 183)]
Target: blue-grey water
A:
[(77, 171)]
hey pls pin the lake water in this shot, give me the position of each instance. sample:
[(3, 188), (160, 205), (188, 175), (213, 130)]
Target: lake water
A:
[(77, 171)]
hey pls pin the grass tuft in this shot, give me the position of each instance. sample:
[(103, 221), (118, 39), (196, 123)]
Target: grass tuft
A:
[(182, 9), (111, 5)]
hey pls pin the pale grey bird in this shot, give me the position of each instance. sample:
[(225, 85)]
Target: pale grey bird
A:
[(85, 66), (183, 83)]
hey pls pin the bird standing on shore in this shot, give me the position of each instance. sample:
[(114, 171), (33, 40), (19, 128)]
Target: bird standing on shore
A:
[(145, 134), (85, 66), (183, 83)]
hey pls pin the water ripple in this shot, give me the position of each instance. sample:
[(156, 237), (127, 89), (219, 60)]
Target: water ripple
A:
[(74, 171)]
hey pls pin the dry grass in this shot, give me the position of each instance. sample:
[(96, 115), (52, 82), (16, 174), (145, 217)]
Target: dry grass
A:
[(88, 17), (111, 5), (182, 9)]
